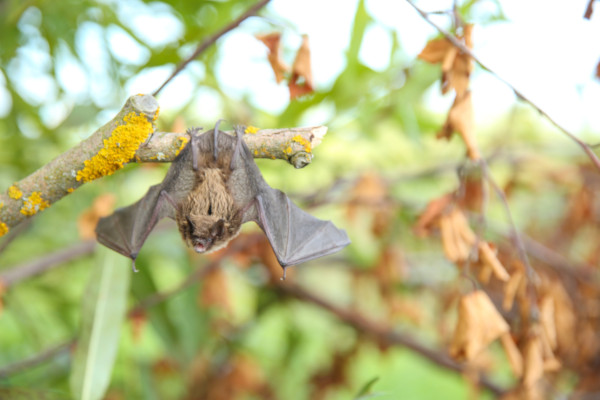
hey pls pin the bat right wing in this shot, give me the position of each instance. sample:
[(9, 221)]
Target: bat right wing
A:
[(126, 230)]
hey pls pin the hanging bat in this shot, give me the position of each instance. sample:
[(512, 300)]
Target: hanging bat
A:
[(210, 190)]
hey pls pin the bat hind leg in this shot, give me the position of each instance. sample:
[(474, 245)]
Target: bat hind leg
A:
[(192, 132), (238, 147)]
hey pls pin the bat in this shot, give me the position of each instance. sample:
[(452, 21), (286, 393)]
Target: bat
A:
[(210, 190)]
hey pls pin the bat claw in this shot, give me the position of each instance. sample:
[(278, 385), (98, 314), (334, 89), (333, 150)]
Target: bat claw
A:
[(283, 277), (193, 131), (133, 266)]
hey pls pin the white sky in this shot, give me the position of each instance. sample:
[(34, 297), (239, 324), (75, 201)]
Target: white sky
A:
[(545, 49)]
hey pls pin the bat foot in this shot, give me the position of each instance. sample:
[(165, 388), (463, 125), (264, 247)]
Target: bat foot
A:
[(283, 277), (193, 131)]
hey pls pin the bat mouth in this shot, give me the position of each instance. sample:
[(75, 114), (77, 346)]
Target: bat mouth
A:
[(200, 246)]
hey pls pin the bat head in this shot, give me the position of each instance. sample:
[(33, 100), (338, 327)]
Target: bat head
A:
[(207, 233)]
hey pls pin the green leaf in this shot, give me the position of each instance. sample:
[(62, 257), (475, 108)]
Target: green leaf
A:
[(104, 308), (363, 393)]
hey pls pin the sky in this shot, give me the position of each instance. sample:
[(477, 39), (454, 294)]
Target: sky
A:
[(545, 49)]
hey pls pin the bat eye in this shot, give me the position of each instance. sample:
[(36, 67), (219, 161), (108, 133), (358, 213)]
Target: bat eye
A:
[(218, 228)]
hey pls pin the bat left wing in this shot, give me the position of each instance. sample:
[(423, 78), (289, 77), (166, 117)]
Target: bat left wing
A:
[(295, 235)]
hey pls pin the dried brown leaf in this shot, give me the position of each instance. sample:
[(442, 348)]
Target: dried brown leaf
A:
[(272, 41), (428, 218), (513, 354), (101, 207), (479, 323), (488, 257), (301, 69), (435, 51), (460, 119)]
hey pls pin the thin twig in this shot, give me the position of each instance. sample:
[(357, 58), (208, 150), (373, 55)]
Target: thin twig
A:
[(209, 41), (35, 360), (383, 333), (455, 42), (28, 269)]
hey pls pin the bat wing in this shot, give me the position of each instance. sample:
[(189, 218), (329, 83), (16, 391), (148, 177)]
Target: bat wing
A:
[(295, 235), (126, 230)]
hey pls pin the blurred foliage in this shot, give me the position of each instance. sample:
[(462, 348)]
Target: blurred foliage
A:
[(234, 333)]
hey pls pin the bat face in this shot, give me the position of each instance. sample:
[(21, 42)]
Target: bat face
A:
[(207, 233)]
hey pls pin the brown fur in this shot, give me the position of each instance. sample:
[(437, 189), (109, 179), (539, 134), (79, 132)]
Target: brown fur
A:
[(207, 204)]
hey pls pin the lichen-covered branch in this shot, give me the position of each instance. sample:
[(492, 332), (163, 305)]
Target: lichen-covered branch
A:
[(131, 137)]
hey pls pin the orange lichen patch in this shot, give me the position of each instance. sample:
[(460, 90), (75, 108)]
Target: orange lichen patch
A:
[(119, 149), (299, 139), (14, 192), (3, 229), (251, 129), (288, 150), (156, 114), (33, 204), (183, 142)]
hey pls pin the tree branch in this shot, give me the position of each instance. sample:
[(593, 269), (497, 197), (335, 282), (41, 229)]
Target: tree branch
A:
[(460, 46), (11, 276), (383, 333), (131, 136), (209, 41)]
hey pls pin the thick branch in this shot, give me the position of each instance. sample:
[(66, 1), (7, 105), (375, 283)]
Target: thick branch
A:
[(130, 136)]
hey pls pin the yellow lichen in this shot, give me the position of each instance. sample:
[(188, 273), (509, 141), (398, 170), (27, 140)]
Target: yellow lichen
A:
[(70, 190), (303, 142), (14, 192), (3, 229), (156, 114), (184, 141), (251, 129), (33, 204), (288, 150), (255, 152), (119, 149)]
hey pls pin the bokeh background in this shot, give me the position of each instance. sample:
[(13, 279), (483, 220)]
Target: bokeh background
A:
[(232, 330)]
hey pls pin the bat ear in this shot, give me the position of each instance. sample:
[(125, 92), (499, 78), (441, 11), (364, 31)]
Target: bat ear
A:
[(218, 228)]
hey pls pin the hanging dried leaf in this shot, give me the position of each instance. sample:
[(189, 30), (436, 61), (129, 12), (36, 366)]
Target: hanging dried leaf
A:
[(301, 71), (101, 207), (215, 291), (479, 323), (272, 41), (510, 288), (456, 66), (460, 119), (429, 218), (488, 257), (513, 354), (371, 193), (457, 236), (534, 362)]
